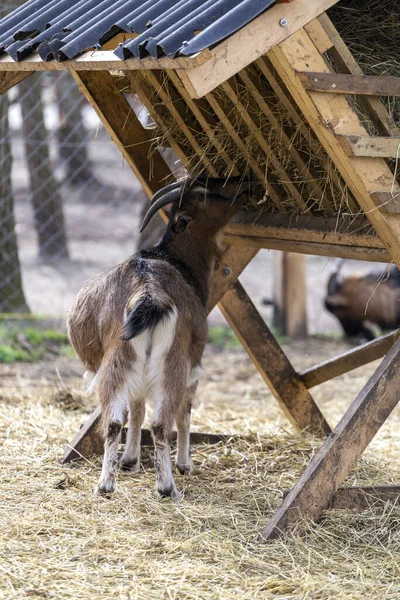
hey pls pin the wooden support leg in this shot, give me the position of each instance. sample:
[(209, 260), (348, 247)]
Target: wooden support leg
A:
[(338, 455), (88, 440), (270, 360)]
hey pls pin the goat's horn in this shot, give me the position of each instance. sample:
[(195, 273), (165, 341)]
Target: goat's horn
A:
[(168, 188), (171, 196)]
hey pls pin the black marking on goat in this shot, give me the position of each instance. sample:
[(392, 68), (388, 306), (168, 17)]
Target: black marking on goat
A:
[(160, 252), (165, 492), (114, 429), (146, 314), (158, 431), (129, 464), (142, 267)]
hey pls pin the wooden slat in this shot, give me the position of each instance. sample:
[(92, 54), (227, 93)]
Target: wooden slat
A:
[(9, 79), (249, 43), (254, 130), (256, 89), (133, 141), (271, 362), (203, 121), (162, 93), (346, 63), (89, 443), (377, 147), (304, 228), (102, 60), (339, 454), (141, 87), (305, 247), (361, 498), (362, 175), (307, 134), (362, 85), (387, 201), (352, 359), (261, 176)]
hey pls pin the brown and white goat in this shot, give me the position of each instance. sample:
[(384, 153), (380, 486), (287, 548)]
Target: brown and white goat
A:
[(141, 327), (359, 301)]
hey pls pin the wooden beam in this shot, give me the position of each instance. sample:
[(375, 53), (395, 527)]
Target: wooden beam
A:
[(352, 359), (362, 85), (387, 201), (346, 63), (271, 362), (290, 294), (92, 445), (340, 452), (249, 43), (134, 142), (362, 175), (11, 78), (360, 498), (305, 247), (377, 147), (102, 60)]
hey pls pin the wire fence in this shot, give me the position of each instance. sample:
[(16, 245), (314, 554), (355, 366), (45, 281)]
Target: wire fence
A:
[(61, 179)]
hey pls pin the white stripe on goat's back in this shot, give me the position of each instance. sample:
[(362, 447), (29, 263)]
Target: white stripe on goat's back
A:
[(162, 340)]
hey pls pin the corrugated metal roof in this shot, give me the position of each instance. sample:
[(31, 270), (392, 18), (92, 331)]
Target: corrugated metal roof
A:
[(62, 29)]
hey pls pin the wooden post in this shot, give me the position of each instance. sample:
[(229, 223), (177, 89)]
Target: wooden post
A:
[(339, 454), (271, 362), (290, 295)]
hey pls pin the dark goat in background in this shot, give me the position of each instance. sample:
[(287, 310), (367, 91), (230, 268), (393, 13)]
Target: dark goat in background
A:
[(361, 301)]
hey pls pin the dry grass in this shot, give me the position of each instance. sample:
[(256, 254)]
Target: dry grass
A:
[(58, 540)]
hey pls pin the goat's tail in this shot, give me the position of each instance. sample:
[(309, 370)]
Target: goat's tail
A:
[(145, 313)]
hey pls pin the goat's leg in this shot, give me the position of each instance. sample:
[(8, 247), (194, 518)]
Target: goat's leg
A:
[(184, 462), (130, 460), (161, 427), (113, 419)]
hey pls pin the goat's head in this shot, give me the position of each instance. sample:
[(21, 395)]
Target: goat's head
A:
[(207, 199)]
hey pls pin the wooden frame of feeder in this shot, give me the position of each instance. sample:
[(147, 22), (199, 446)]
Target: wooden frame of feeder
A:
[(293, 60)]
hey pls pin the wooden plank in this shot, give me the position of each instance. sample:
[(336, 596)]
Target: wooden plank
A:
[(249, 43), (361, 498), (319, 36), (387, 201), (304, 247), (349, 360), (257, 89), (290, 295), (362, 175), (271, 361), (11, 78), (103, 60), (362, 85), (377, 147), (258, 172), (346, 63), (264, 65), (340, 452), (203, 117), (89, 443), (254, 130), (134, 142)]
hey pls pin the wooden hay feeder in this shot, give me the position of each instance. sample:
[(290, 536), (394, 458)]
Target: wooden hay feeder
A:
[(279, 99)]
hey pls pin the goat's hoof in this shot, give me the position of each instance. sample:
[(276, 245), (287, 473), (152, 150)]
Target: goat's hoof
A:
[(184, 468), (170, 492), (106, 486), (130, 464)]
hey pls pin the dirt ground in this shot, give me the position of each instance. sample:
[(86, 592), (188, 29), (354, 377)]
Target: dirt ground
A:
[(59, 540)]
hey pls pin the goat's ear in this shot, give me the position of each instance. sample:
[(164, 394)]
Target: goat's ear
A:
[(181, 223)]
